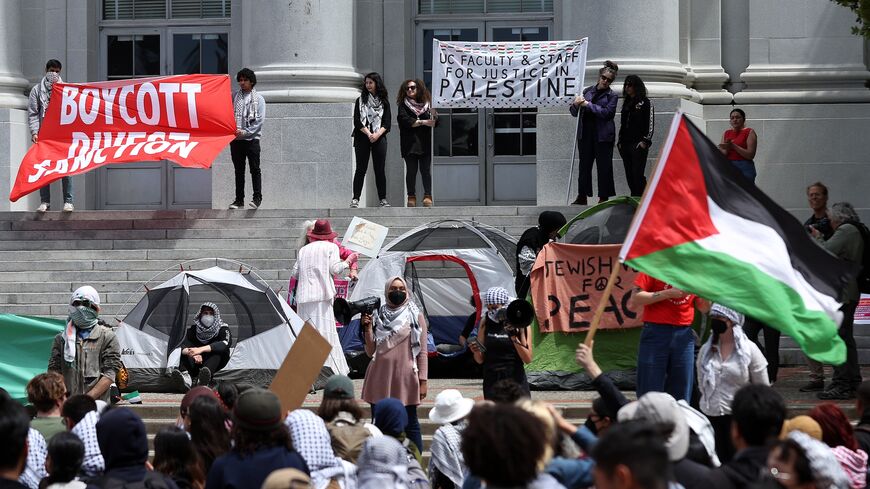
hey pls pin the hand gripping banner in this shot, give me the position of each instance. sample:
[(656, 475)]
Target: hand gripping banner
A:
[(507, 74), (185, 118)]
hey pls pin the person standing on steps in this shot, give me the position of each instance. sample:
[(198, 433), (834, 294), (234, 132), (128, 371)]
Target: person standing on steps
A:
[(371, 123), (637, 123), (596, 134), (249, 108), (37, 105), (416, 120)]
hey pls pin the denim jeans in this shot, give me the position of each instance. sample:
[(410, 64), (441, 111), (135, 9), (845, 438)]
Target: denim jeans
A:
[(747, 168), (665, 360), (66, 182)]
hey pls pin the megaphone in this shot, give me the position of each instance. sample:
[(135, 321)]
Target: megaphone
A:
[(519, 314), (344, 311)]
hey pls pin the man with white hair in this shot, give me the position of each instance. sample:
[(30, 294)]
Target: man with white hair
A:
[(847, 243), (86, 352), (37, 105)]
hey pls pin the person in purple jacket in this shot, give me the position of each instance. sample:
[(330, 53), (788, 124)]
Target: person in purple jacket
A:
[(596, 134)]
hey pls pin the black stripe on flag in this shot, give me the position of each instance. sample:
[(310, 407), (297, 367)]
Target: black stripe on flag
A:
[(731, 191)]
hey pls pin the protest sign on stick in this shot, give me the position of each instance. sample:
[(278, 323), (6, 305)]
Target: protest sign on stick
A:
[(507, 74), (184, 118)]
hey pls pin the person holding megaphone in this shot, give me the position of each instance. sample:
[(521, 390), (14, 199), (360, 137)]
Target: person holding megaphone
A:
[(502, 345), (396, 339)]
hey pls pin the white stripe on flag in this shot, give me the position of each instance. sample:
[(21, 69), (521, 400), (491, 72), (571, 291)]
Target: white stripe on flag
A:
[(763, 248)]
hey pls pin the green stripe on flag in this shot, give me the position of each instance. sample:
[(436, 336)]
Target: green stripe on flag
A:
[(721, 278)]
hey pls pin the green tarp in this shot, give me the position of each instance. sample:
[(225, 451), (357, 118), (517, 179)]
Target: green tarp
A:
[(24, 349)]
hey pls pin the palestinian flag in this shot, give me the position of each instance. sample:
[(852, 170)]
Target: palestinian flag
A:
[(704, 228)]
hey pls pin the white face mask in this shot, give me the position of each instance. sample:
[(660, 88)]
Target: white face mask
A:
[(206, 320)]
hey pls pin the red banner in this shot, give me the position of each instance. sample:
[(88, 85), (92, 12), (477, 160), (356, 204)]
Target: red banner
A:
[(568, 282), (184, 118)]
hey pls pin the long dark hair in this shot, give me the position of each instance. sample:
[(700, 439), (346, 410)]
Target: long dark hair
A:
[(422, 96), (175, 456), (249, 441), (639, 89), (329, 408), (380, 89), (67, 452), (208, 430)]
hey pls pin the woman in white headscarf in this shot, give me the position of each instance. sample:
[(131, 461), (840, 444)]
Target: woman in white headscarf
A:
[(311, 439), (205, 349), (727, 361), (396, 340), (383, 464)]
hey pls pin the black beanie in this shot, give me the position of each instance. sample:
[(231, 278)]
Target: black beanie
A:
[(122, 438), (550, 221)]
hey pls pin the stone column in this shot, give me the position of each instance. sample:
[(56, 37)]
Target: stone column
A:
[(803, 52), (12, 82), (302, 51), (642, 37), (705, 51)]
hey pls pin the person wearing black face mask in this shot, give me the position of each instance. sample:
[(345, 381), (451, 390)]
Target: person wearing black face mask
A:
[(205, 349), (727, 361), (396, 339)]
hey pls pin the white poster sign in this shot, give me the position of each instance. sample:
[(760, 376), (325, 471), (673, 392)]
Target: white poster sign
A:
[(507, 74), (365, 237)]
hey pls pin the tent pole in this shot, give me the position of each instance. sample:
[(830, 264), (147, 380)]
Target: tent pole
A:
[(605, 299)]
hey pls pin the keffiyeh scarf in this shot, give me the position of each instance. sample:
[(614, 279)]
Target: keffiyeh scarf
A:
[(34, 469), (741, 348), (43, 90), (205, 333), (245, 107), (383, 462), (392, 320), (370, 112), (86, 430), (416, 107), (312, 441), (447, 454)]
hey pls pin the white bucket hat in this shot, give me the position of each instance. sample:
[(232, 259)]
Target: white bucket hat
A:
[(450, 406)]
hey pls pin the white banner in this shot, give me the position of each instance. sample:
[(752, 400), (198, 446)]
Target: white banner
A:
[(507, 74)]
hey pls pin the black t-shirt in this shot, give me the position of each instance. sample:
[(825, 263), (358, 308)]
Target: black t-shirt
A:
[(823, 224), (500, 350), (469, 325), (11, 484)]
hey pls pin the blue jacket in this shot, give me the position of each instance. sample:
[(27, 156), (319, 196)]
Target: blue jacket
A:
[(602, 106)]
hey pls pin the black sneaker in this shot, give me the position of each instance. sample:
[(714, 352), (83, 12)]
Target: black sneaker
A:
[(255, 204), (204, 377), (813, 386), (179, 381), (836, 394), (238, 204)]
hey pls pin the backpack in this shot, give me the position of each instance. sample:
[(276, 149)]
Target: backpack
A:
[(347, 438), (864, 274)]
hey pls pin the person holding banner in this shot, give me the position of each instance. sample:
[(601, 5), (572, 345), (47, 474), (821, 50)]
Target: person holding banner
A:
[(596, 134), (637, 122), (416, 120), (37, 104), (500, 348), (371, 123), (250, 111)]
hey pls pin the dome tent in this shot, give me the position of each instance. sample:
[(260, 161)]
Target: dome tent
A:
[(263, 326), (553, 366), (444, 262)]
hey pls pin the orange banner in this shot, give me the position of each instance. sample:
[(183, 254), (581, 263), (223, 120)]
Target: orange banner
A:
[(568, 281), (184, 118)]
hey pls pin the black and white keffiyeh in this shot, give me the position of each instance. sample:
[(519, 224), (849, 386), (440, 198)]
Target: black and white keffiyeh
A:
[(43, 90), (383, 462), (392, 319), (371, 112), (86, 430), (34, 468), (205, 333), (312, 441), (246, 107), (447, 454)]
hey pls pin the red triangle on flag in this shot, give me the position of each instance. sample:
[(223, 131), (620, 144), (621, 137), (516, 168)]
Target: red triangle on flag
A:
[(674, 208)]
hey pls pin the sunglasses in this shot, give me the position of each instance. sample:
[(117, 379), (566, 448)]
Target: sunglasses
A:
[(411, 87), (84, 302)]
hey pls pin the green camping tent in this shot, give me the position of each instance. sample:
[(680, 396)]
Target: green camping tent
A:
[(24, 350), (605, 223)]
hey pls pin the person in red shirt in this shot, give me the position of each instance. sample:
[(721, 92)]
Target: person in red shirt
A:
[(666, 352)]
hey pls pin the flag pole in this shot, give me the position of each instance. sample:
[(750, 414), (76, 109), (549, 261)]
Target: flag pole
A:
[(605, 298), (573, 152)]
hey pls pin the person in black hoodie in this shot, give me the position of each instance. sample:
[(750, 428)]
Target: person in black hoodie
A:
[(124, 445), (205, 349), (757, 413), (530, 244), (636, 125), (416, 120), (14, 426)]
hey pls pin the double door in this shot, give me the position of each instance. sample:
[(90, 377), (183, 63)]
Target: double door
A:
[(482, 156), (145, 52)]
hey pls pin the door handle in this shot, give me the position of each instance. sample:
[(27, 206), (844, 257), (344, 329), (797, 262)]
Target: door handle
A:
[(489, 128)]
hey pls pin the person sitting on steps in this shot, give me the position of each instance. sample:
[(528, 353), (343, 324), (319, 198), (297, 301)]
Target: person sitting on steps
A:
[(205, 349)]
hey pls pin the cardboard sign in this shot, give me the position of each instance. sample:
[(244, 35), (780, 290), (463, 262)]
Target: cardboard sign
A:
[(300, 368), (507, 74), (365, 237), (568, 281), (184, 118)]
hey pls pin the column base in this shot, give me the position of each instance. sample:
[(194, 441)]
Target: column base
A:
[(12, 90), (802, 84), (328, 84)]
